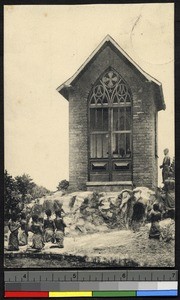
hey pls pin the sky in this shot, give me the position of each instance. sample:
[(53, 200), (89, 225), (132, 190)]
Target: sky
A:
[(44, 46)]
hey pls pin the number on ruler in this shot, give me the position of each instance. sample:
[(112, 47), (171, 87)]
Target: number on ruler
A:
[(74, 275)]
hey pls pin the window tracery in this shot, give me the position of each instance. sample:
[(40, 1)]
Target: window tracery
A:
[(110, 89)]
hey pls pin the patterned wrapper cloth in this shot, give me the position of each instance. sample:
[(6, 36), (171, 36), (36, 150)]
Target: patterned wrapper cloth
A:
[(59, 236)]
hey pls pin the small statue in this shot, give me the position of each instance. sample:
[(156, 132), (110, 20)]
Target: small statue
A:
[(165, 165)]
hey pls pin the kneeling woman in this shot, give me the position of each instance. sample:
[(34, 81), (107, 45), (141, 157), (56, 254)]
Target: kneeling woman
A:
[(49, 228), (60, 228), (23, 234), (36, 228), (155, 217)]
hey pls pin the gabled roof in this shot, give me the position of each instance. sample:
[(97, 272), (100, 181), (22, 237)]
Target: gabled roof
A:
[(108, 40)]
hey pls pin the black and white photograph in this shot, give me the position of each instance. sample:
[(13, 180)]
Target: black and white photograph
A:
[(89, 173)]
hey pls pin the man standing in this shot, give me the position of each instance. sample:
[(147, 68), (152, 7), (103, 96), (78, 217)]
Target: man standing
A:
[(165, 165)]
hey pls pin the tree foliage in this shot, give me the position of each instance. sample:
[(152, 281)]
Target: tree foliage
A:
[(12, 195), (63, 185), (39, 191), (19, 191), (25, 185)]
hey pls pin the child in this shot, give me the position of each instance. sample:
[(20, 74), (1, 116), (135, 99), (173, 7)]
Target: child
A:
[(14, 226), (23, 235), (36, 228), (155, 217), (49, 227), (60, 226)]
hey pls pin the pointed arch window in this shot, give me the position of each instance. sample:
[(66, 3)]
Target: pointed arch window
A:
[(110, 120)]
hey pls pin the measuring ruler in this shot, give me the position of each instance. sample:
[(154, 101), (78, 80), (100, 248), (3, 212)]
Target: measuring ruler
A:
[(91, 283)]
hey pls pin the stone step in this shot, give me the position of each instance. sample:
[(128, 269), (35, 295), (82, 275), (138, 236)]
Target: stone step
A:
[(109, 186)]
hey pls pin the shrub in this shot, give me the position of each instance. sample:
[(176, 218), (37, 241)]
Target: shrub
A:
[(63, 185)]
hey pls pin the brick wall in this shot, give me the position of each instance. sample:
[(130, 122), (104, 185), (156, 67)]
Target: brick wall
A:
[(144, 163), (78, 149)]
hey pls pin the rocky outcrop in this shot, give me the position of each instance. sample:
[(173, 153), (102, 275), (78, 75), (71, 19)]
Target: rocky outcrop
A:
[(90, 212)]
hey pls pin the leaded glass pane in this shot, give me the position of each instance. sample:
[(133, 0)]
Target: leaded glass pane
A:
[(105, 100), (105, 145), (99, 145), (122, 119), (99, 101), (93, 100), (115, 100), (121, 145), (115, 119), (115, 145), (92, 119), (128, 98), (93, 145), (99, 119), (128, 145), (128, 118), (105, 119)]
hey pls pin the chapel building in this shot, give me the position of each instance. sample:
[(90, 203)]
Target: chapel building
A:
[(113, 118)]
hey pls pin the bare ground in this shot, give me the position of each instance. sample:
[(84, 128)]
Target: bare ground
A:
[(113, 249)]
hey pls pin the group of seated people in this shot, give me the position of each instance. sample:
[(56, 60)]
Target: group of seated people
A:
[(44, 230)]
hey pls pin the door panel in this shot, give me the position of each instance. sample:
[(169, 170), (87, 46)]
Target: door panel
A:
[(123, 176), (99, 177), (110, 144)]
